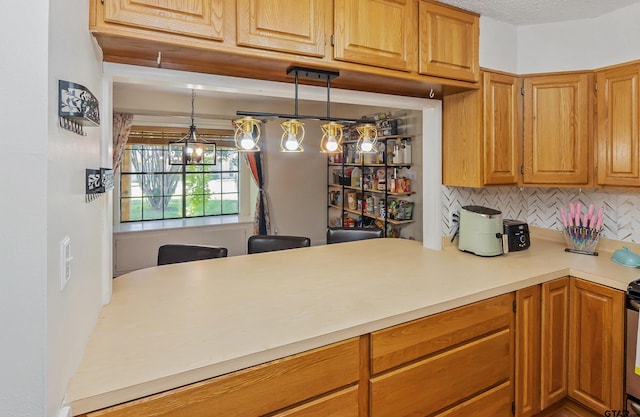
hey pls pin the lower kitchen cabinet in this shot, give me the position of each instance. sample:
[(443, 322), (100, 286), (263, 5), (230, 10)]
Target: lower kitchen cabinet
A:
[(527, 370), (554, 340), (343, 403), (596, 346), (569, 343), (320, 382), (565, 340), (460, 359)]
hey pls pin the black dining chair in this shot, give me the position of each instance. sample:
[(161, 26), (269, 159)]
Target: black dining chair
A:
[(270, 243), (349, 234), (177, 253)]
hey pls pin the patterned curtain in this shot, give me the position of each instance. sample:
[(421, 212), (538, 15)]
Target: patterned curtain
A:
[(121, 127), (262, 224)]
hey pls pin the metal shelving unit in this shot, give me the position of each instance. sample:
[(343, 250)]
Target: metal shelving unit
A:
[(382, 194)]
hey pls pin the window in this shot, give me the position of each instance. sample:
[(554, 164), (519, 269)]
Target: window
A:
[(152, 189)]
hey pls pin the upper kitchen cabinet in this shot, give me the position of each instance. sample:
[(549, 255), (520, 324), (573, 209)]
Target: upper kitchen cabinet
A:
[(618, 112), (481, 135), (448, 42), (380, 33), (197, 18), (295, 26), (557, 130)]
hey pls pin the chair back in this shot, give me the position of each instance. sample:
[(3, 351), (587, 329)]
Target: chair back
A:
[(270, 243), (348, 234), (175, 253)]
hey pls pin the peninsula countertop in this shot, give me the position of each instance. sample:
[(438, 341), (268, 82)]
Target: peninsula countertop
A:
[(178, 324)]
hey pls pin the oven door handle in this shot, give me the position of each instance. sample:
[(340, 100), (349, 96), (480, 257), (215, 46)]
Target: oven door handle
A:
[(635, 305)]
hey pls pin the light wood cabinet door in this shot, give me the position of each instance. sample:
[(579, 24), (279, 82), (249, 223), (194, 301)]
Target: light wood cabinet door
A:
[(557, 129), (527, 369), (618, 115), (380, 33), (554, 342), (481, 135), (501, 132), (448, 42), (196, 18), (295, 26), (596, 349), (462, 141)]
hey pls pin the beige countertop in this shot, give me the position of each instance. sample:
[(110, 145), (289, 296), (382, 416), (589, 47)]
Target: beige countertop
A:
[(177, 324)]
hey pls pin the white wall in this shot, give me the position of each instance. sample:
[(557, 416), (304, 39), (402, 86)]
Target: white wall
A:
[(563, 46), (580, 44), (72, 313), (498, 45), (24, 99)]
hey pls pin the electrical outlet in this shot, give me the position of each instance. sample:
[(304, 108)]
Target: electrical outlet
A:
[(65, 262)]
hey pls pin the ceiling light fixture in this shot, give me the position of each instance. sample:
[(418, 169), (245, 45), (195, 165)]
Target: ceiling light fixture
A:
[(367, 138), (291, 140), (247, 134), (191, 149), (293, 135), (331, 141)]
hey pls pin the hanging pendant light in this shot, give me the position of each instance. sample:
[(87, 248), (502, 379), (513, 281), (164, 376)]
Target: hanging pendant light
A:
[(247, 130), (192, 150), (332, 138), (367, 138), (331, 141), (247, 134), (292, 137)]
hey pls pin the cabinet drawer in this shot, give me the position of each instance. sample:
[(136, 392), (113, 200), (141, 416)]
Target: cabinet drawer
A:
[(406, 342), (255, 391), (343, 403), (494, 403), (445, 379)]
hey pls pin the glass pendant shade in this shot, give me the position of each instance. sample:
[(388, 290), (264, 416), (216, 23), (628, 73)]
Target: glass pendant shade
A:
[(367, 138), (292, 137), (247, 134), (332, 138)]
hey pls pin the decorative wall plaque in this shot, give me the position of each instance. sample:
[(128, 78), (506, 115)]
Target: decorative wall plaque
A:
[(77, 107)]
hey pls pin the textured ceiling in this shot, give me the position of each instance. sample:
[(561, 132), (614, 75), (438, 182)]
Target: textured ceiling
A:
[(531, 12)]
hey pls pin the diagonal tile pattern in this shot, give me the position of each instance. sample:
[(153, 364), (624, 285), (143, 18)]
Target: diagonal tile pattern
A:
[(540, 207)]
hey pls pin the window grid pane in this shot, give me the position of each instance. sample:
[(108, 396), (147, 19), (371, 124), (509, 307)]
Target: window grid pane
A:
[(152, 189)]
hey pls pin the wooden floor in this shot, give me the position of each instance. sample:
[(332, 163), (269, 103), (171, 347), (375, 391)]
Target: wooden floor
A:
[(568, 409)]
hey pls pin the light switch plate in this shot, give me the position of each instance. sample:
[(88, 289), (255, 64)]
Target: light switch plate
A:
[(65, 262)]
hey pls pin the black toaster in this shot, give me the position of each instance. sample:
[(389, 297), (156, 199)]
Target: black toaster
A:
[(515, 235)]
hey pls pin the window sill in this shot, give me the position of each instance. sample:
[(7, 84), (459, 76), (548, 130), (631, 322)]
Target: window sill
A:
[(180, 223)]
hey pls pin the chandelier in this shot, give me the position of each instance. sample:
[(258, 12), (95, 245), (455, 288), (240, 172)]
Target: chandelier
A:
[(192, 149)]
